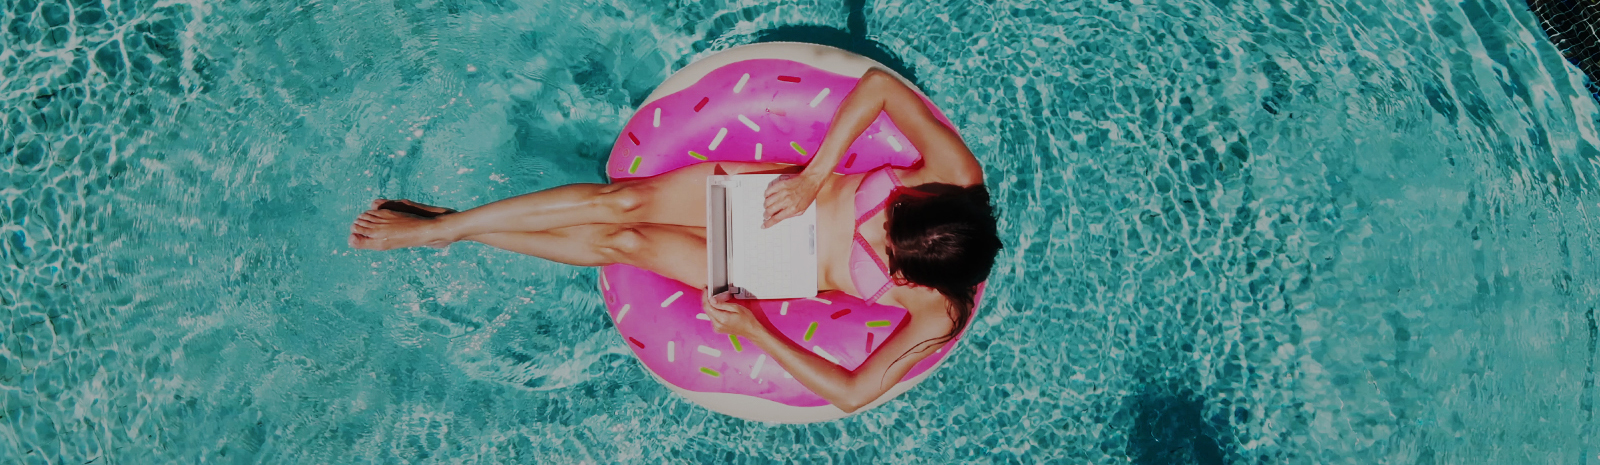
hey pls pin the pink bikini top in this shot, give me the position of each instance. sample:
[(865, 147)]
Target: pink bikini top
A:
[(867, 270)]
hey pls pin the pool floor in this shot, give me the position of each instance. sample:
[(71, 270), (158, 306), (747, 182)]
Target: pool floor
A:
[(1350, 231)]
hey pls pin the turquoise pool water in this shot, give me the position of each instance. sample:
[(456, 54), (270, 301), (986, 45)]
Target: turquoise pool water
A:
[(1237, 232)]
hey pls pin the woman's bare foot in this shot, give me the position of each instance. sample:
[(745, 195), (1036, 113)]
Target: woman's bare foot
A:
[(393, 224)]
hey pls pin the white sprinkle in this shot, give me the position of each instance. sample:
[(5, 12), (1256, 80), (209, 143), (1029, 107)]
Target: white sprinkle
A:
[(784, 310), (703, 316), (417, 133), (657, 122), (623, 313), (825, 354), (787, 375), (669, 300), (818, 99), (400, 153), (670, 355), (750, 124), (895, 143), (760, 359), (604, 283), (740, 86), (721, 133), (472, 69), (758, 150), (819, 299), (710, 351)]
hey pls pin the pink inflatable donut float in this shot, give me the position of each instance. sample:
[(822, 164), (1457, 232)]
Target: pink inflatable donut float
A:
[(746, 104)]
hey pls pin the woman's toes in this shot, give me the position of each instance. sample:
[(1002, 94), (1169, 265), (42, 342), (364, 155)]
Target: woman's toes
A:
[(360, 242)]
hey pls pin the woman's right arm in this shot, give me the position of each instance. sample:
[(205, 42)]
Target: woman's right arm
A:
[(945, 158)]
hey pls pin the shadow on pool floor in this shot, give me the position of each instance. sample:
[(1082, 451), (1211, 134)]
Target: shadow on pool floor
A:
[(1170, 426)]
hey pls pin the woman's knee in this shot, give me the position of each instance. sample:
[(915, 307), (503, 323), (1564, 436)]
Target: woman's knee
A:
[(625, 201), (622, 243)]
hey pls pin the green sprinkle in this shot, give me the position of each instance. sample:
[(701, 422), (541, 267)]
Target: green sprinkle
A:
[(811, 330), (697, 156), (736, 346), (798, 148), (710, 372), (877, 323), (635, 168)]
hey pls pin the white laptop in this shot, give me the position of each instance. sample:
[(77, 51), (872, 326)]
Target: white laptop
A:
[(779, 262)]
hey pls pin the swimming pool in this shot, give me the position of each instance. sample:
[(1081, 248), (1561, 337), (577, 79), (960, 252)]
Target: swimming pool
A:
[(1290, 232)]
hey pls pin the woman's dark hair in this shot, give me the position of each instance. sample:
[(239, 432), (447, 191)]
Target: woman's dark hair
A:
[(945, 237)]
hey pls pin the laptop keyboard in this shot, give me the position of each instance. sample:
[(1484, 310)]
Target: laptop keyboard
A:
[(767, 260)]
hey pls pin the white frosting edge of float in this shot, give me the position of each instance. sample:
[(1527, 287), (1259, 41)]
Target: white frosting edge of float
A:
[(758, 409), (830, 59)]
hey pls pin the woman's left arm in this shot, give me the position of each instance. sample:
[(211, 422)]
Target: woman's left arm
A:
[(847, 389)]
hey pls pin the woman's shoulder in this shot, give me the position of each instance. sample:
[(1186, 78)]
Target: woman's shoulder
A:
[(921, 302)]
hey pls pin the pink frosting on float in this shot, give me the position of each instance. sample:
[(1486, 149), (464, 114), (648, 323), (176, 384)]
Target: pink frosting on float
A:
[(777, 98), (782, 102)]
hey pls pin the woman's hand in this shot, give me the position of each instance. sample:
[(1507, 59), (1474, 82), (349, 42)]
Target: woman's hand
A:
[(789, 196), (731, 318)]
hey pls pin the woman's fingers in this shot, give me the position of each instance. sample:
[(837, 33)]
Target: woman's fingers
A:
[(715, 302), (776, 213), (705, 301), (787, 197), (771, 201), (773, 189), (710, 302), (721, 319)]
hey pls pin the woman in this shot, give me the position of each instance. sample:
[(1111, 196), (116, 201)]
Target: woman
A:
[(937, 240)]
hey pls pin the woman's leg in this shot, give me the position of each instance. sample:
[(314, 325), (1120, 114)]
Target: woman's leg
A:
[(674, 198), (677, 252)]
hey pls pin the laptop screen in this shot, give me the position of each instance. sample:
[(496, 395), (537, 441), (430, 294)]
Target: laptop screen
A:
[(754, 262)]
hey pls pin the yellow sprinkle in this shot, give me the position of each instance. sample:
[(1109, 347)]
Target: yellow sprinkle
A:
[(797, 148), (877, 323), (811, 330), (697, 156), (710, 372), (736, 346)]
